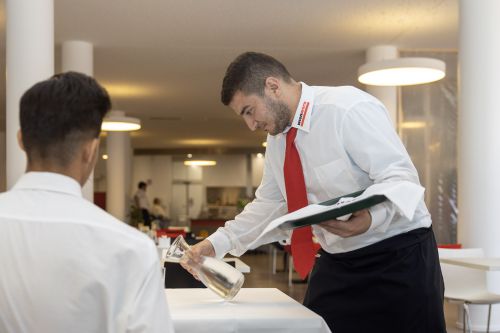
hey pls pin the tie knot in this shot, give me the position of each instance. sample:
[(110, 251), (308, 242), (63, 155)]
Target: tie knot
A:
[(290, 135)]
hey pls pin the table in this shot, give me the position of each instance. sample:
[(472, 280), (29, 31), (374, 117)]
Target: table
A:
[(482, 263), (262, 310), (239, 264)]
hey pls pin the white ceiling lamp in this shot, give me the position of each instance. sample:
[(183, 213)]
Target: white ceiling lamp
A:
[(200, 163), (402, 71), (116, 121), (384, 67)]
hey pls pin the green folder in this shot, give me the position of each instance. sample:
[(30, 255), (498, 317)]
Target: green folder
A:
[(345, 209)]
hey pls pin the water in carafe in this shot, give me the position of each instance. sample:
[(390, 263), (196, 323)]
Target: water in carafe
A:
[(220, 277), (217, 275)]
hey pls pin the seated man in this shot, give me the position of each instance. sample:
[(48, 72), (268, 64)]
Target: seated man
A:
[(66, 265), (158, 213)]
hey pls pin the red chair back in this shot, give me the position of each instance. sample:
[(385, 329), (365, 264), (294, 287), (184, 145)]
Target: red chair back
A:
[(450, 246), (171, 233)]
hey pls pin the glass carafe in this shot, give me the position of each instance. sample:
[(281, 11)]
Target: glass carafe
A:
[(217, 275)]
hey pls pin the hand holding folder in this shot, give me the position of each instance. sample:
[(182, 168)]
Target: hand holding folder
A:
[(332, 209), (403, 195)]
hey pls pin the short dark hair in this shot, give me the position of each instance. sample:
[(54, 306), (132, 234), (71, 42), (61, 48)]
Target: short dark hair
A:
[(59, 114), (142, 185), (248, 73)]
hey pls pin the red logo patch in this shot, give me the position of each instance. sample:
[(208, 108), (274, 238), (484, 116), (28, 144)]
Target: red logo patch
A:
[(303, 113)]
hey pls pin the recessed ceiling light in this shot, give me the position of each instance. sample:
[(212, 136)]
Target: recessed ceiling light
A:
[(128, 90), (413, 124), (200, 162)]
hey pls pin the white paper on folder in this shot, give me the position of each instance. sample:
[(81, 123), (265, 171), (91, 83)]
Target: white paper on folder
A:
[(403, 194)]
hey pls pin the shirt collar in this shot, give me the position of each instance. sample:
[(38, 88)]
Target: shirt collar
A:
[(302, 118), (49, 181)]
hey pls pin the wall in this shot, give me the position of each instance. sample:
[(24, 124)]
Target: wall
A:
[(188, 192), (257, 169), (229, 171), (100, 175)]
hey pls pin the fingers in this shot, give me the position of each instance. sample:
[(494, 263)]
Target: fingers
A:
[(205, 248), (193, 256), (336, 227), (188, 264), (361, 212), (358, 223)]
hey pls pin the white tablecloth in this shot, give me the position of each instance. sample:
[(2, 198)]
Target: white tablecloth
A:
[(259, 310), (482, 263)]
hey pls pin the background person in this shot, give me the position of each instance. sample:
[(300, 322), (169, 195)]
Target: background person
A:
[(142, 202), (158, 212), (377, 271), (67, 265)]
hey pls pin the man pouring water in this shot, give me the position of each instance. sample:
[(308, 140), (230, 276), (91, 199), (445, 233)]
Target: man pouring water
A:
[(377, 269)]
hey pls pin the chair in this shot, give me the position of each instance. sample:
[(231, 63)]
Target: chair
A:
[(288, 260), (274, 248), (465, 285)]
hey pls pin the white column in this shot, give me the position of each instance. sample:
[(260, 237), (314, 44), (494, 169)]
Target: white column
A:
[(129, 173), (3, 185), (78, 56), (249, 173), (478, 135), (117, 145), (30, 59), (387, 95)]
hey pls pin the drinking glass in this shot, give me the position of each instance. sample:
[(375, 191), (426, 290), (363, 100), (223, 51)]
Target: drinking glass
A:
[(217, 275)]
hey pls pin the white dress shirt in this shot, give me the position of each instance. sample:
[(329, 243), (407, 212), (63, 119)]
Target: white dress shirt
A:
[(142, 199), (158, 210), (346, 143), (68, 266)]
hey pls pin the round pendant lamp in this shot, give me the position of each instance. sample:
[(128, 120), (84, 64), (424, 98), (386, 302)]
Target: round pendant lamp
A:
[(402, 71), (116, 121)]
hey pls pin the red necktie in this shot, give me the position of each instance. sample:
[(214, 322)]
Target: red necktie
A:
[(302, 245)]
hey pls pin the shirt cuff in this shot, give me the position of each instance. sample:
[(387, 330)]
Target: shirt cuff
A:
[(221, 243), (379, 214)]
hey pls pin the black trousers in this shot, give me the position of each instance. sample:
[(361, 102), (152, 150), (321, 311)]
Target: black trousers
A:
[(394, 285), (146, 217)]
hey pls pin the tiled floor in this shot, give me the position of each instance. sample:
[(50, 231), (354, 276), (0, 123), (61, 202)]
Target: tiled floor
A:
[(261, 276)]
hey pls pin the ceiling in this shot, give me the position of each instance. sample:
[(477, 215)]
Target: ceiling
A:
[(169, 56)]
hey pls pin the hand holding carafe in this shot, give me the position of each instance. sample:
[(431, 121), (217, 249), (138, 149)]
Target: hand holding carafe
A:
[(217, 275)]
